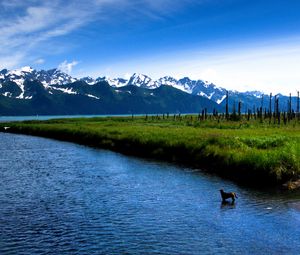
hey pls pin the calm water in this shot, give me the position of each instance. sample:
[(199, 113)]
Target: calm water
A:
[(61, 198), (48, 117)]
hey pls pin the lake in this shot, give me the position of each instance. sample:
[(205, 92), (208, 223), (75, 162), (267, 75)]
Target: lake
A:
[(49, 117), (62, 198)]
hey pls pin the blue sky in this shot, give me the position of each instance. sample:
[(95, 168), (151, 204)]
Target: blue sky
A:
[(237, 44)]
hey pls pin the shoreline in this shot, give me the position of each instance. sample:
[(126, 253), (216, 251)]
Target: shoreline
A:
[(205, 156)]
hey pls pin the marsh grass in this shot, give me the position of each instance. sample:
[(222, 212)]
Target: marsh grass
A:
[(248, 151)]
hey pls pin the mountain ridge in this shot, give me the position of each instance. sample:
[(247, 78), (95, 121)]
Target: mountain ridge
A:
[(27, 84), (56, 77)]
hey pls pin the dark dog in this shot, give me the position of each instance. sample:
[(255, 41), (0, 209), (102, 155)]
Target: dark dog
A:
[(226, 195)]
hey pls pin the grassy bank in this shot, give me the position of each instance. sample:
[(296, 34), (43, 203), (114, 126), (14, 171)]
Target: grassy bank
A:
[(247, 151)]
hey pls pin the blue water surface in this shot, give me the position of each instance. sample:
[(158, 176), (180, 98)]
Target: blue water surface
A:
[(62, 198)]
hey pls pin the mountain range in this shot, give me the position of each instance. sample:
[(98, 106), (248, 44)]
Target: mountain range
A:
[(27, 91)]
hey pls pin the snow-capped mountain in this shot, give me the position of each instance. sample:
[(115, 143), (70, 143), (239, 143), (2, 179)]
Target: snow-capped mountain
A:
[(17, 77), (14, 84), (254, 93), (89, 80), (54, 78), (143, 81), (27, 91), (116, 82), (194, 87), (9, 79), (202, 88), (50, 77)]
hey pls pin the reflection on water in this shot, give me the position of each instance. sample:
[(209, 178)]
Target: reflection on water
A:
[(61, 198), (295, 205), (227, 205)]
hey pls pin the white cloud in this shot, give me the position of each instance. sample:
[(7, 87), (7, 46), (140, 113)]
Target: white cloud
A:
[(39, 61), (10, 62), (127, 76), (67, 67), (209, 74), (16, 3)]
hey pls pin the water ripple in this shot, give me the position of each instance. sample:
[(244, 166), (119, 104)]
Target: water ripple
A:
[(61, 198)]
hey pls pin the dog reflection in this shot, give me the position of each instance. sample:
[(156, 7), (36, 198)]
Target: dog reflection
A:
[(226, 204)]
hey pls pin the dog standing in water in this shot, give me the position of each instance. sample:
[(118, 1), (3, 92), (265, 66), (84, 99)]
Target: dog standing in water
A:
[(226, 195)]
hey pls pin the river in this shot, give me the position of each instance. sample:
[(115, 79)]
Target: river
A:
[(62, 198)]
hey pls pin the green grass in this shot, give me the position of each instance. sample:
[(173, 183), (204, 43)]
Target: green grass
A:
[(248, 151)]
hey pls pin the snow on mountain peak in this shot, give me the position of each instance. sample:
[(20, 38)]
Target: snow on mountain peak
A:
[(257, 94), (139, 79), (143, 81), (116, 82), (89, 80), (168, 80), (27, 69), (23, 71), (54, 79), (47, 78)]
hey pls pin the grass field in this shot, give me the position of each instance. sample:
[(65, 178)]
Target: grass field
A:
[(255, 152)]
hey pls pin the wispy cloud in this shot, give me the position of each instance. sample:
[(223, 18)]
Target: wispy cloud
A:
[(8, 61), (27, 25), (32, 25), (39, 61), (67, 67)]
